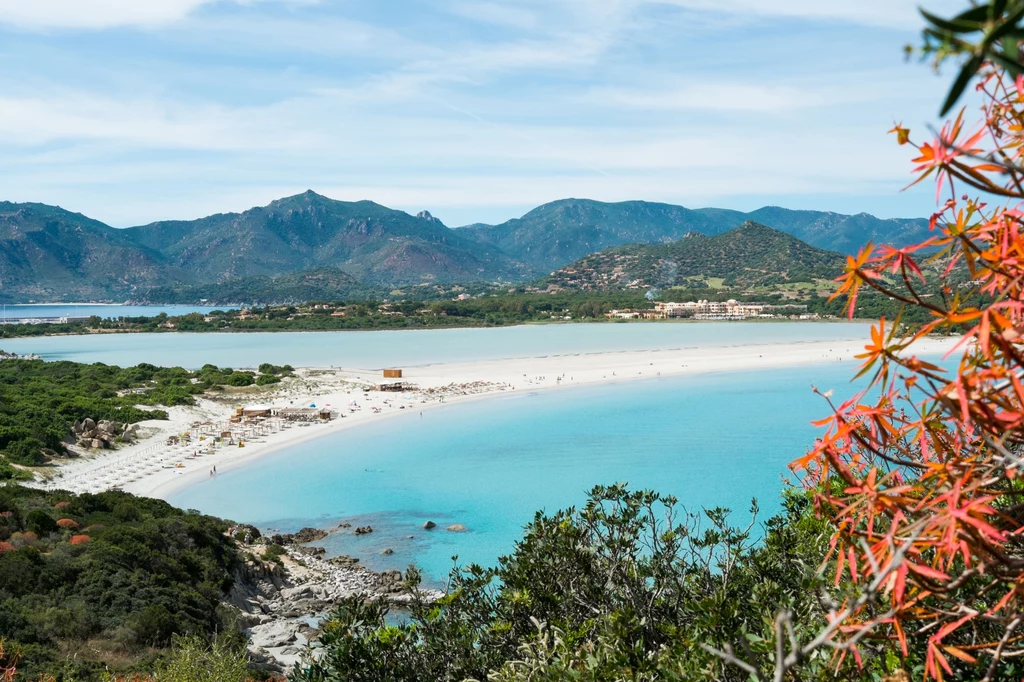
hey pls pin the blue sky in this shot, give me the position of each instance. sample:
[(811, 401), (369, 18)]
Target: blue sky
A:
[(136, 110)]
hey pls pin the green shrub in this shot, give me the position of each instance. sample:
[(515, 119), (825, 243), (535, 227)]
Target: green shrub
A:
[(149, 572), (266, 380), (240, 379), (40, 523), (28, 452), (10, 473), (194, 659), (274, 552)]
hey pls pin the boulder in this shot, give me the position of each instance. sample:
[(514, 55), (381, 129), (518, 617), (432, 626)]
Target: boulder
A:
[(97, 443), (363, 530), (457, 528), (298, 592), (303, 536), (88, 425), (77, 427), (246, 533), (429, 525), (275, 634), (388, 551)]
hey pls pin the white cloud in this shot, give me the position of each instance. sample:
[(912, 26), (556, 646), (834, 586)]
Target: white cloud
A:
[(741, 97), (100, 14), (93, 14), (888, 13), (495, 13), (142, 124)]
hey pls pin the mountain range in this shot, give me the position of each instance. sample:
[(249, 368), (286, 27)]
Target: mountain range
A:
[(51, 254), (748, 256)]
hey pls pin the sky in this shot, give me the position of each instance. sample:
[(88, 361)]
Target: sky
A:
[(132, 111)]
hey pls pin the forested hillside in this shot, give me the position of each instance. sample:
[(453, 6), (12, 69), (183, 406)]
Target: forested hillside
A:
[(311, 247), (751, 255)]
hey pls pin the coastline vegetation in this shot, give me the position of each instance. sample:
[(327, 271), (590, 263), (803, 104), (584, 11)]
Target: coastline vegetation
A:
[(485, 311), (40, 401), (100, 585)]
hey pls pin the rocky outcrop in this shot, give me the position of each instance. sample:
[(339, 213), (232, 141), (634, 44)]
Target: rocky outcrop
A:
[(103, 434), (457, 528), (274, 601), (363, 530), (301, 537), (429, 525)]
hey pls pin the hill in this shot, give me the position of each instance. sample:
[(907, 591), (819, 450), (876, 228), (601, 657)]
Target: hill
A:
[(552, 235), (49, 254), (329, 284), (750, 255), (305, 245), (368, 241)]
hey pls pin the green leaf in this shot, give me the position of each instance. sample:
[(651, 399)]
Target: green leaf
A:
[(960, 84), (950, 25)]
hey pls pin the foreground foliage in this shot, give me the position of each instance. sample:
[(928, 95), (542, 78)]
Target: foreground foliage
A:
[(628, 587), (91, 582)]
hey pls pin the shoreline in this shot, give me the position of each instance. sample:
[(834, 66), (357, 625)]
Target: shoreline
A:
[(137, 469), (526, 323)]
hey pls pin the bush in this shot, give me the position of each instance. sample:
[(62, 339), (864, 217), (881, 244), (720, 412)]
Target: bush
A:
[(624, 588), (10, 473), (274, 552), (40, 523), (144, 572), (27, 452), (240, 379), (267, 379), (193, 659)]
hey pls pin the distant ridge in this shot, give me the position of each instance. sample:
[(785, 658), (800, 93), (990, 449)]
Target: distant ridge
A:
[(560, 232), (50, 254), (751, 255)]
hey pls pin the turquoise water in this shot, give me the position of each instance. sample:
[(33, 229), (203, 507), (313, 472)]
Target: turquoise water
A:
[(375, 349), (69, 310), (712, 440)]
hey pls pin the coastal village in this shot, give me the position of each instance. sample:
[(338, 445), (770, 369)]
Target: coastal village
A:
[(715, 310)]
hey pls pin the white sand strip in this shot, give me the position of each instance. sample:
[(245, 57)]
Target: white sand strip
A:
[(153, 468)]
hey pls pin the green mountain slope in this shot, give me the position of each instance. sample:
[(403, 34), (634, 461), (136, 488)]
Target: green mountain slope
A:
[(554, 234), (47, 253), (324, 284), (369, 241), (748, 256)]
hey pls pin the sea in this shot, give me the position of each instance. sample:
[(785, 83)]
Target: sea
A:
[(49, 310), (715, 440), (376, 349), (711, 440)]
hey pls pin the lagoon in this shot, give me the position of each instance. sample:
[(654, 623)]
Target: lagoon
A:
[(22, 311), (715, 440), (376, 349)]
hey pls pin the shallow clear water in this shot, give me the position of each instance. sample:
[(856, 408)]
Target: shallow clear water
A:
[(712, 440), (8, 312), (375, 349)]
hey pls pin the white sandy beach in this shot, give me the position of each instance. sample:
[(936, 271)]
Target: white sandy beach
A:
[(153, 468)]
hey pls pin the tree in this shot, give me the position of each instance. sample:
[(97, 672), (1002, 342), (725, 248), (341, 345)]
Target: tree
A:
[(921, 472), (627, 587)]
